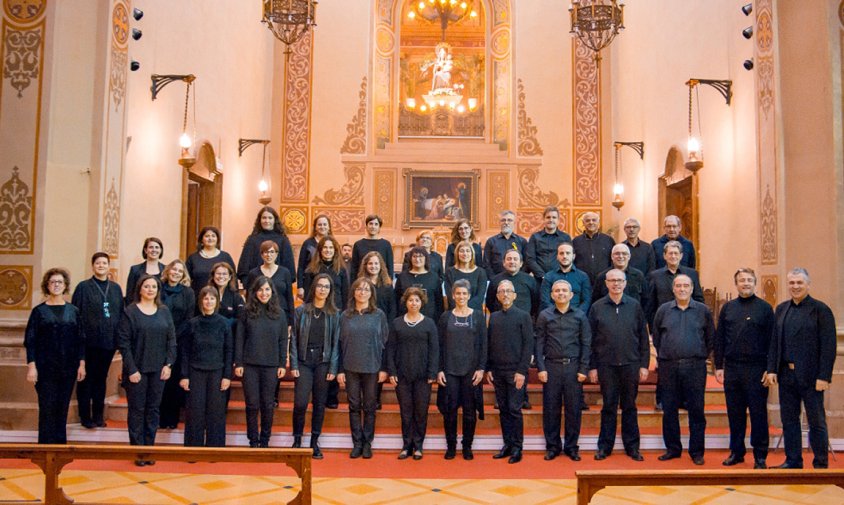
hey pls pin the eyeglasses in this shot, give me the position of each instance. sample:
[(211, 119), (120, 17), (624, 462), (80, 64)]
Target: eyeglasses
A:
[(616, 280), (323, 286), (271, 251), (506, 291)]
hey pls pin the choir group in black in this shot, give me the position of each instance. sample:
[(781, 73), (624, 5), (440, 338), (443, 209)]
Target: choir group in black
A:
[(577, 309)]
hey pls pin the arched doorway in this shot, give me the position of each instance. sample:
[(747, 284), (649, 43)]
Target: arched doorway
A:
[(202, 197), (678, 195)]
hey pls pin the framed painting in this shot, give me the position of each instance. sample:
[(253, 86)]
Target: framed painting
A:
[(439, 198)]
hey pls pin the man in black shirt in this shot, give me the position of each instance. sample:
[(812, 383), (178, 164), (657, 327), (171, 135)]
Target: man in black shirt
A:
[(541, 252), (672, 227), (661, 281), (497, 245), (742, 339), (527, 292), (620, 357), (592, 248), (642, 255), (372, 242), (635, 287), (562, 346), (683, 335), (801, 358), (510, 346)]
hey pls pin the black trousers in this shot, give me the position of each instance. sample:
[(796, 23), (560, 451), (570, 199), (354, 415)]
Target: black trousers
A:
[(683, 379), (90, 393), (205, 417), (172, 400), (460, 394), (259, 384), (144, 400), (792, 392), (54, 388), (744, 391), (561, 390), (619, 387), (310, 386), (509, 401), (414, 397), (361, 388)]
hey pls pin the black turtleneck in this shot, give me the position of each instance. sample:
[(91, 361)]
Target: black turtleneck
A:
[(745, 327)]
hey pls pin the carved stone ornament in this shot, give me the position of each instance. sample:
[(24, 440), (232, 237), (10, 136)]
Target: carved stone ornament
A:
[(587, 125), (21, 63), (351, 193), (355, 142), (769, 229), (15, 287), (528, 143), (15, 215), (24, 11), (297, 119), (530, 194), (111, 222)]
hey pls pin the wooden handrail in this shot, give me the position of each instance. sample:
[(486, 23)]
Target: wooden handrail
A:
[(590, 482), (52, 458)]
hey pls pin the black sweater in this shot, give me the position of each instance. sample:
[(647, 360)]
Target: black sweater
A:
[(250, 257), (339, 280), (199, 268), (283, 283), (430, 284), (385, 298), (413, 352), (90, 297), (231, 305), (510, 340), (146, 342), (463, 343), (366, 245), (261, 341), (477, 279), (363, 338), (745, 327), (208, 345), (56, 343), (182, 304)]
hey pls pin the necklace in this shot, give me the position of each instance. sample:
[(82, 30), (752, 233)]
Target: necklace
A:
[(410, 323), (212, 254), (317, 313)]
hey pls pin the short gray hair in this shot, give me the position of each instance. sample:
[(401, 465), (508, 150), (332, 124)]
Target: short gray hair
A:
[(801, 271), (673, 243)]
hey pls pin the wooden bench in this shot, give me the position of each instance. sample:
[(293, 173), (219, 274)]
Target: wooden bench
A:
[(52, 458), (590, 482)]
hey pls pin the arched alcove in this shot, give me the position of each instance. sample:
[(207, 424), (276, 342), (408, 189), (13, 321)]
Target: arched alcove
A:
[(678, 194), (202, 197)]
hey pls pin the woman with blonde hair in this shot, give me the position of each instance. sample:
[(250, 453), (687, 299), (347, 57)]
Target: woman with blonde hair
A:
[(465, 267), (179, 298)]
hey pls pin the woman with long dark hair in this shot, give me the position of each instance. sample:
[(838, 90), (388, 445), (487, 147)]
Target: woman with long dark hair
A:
[(461, 231), (363, 336), (177, 295), (420, 276), (413, 363), (260, 355), (372, 267), (224, 281), (328, 261), (267, 227), (55, 355), (465, 267), (314, 358), (281, 277), (152, 252), (321, 228), (146, 338), (200, 264)]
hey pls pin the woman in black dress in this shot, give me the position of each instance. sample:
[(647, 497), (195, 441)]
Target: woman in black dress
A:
[(463, 353), (462, 231), (152, 252), (201, 263), (328, 261), (413, 362), (206, 372), (260, 355), (177, 295), (420, 276), (146, 338), (231, 303), (321, 229), (55, 355), (267, 227), (425, 238), (465, 267), (100, 304), (281, 277), (314, 358)]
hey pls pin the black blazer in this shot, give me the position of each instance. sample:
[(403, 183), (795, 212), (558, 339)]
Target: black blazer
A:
[(814, 358)]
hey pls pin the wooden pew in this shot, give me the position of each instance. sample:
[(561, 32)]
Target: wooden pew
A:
[(590, 482), (52, 458)]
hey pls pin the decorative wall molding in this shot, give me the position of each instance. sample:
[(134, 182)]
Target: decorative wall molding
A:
[(111, 221), (15, 215), (528, 143), (15, 287), (22, 56), (297, 119), (529, 221), (530, 194), (344, 220), (498, 196), (587, 127), (769, 229), (350, 193), (355, 142), (294, 219), (24, 11), (119, 67), (766, 138), (577, 223), (384, 196), (769, 289), (765, 55)]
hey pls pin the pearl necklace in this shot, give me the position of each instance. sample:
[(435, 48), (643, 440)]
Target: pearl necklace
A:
[(410, 323)]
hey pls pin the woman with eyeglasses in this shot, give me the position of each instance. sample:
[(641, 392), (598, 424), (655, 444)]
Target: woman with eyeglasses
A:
[(152, 252), (177, 295), (267, 227), (224, 281), (425, 238), (420, 276), (55, 355), (363, 336), (466, 268), (200, 264), (281, 277), (314, 358), (321, 228), (462, 231)]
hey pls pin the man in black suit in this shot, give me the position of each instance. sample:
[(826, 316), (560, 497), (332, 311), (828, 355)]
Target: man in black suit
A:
[(800, 360)]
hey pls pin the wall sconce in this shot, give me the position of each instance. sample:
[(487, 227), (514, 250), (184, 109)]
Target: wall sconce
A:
[(186, 159), (618, 187), (264, 197), (695, 150)]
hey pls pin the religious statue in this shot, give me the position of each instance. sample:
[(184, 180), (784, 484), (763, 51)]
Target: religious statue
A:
[(442, 68)]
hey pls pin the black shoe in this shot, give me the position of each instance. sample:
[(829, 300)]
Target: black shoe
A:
[(698, 460), (404, 454), (760, 464), (140, 462), (550, 454), (658, 407), (515, 457), (88, 424), (503, 453), (450, 452), (636, 456), (467, 454), (584, 406), (668, 455), (264, 445), (101, 424), (733, 459), (317, 452), (820, 466), (788, 466), (378, 406), (254, 445), (149, 462), (297, 442), (367, 451), (574, 455), (600, 455), (417, 455), (332, 405), (357, 451), (526, 404)]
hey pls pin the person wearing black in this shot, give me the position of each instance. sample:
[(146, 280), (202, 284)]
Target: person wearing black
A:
[(660, 282), (465, 267), (346, 254), (672, 226), (200, 264), (100, 304), (146, 338), (635, 287), (498, 245), (281, 277), (328, 261), (363, 337), (151, 252), (372, 243), (461, 231), (563, 339), (412, 364), (206, 372), (742, 340), (541, 251), (177, 295), (267, 227), (462, 362), (684, 337), (385, 296), (642, 256), (566, 270), (435, 261), (420, 276), (321, 228), (800, 360), (260, 357), (55, 355), (527, 292), (314, 356), (231, 303), (620, 357), (592, 249), (510, 348)]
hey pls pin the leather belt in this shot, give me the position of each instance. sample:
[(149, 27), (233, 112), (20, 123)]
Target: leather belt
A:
[(564, 361)]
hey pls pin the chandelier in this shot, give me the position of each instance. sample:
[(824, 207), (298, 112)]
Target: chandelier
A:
[(443, 11), (596, 22), (289, 19)]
